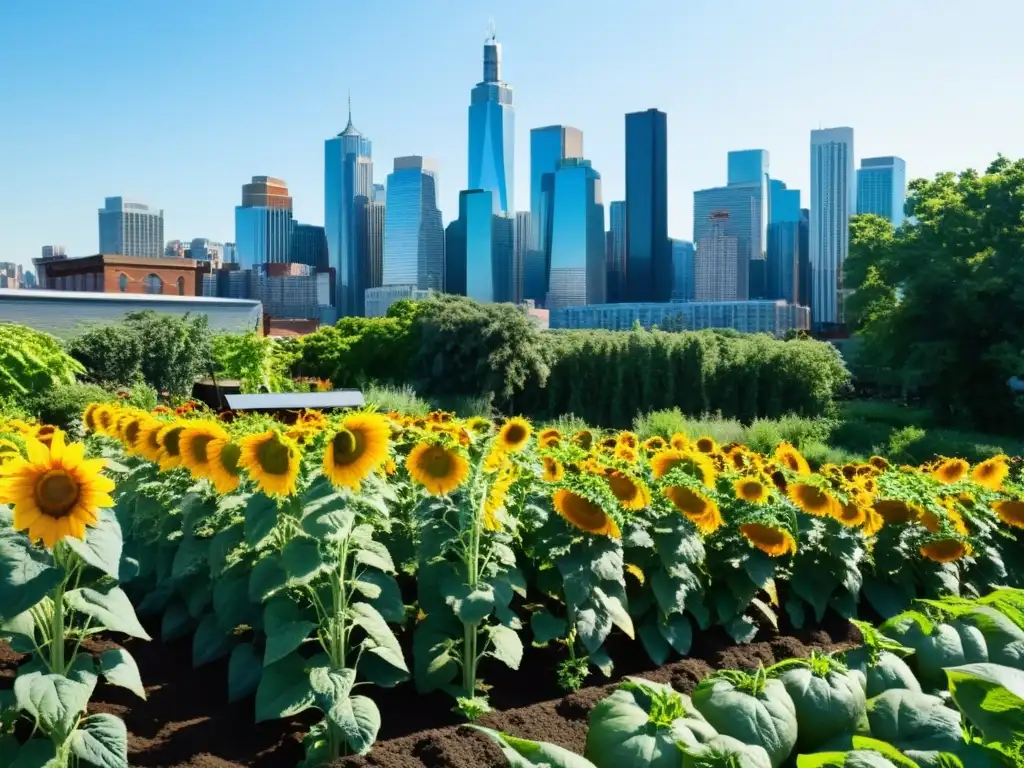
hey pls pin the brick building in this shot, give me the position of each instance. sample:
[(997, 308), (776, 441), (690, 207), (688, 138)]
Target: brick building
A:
[(106, 273)]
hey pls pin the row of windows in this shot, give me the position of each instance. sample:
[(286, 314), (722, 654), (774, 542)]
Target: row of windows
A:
[(152, 283)]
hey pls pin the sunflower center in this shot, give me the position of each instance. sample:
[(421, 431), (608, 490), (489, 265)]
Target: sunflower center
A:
[(515, 434), (274, 457), (623, 488), (56, 493), (131, 431), (229, 456), (583, 512), (751, 490), (348, 446), (436, 462), (172, 441), (198, 446)]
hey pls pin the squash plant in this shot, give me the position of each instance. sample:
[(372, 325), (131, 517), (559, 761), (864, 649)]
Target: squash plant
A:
[(880, 660)]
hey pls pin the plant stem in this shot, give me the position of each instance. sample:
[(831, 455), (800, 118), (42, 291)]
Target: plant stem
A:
[(57, 622), (469, 657)]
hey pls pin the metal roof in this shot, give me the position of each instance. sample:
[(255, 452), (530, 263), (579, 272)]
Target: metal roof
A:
[(286, 401), (30, 294)]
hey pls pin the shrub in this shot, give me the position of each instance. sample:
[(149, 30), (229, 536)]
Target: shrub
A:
[(111, 354), (62, 405), (260, 364), (402, 399), (32, 361)]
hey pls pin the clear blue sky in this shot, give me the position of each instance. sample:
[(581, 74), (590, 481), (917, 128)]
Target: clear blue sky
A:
[(179, 103)]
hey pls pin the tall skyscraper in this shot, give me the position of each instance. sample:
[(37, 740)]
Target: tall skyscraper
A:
[(372, 240), (131, 228), (348, 187), (549, 146), (578, 264), (263, 223), (413, 232), (804, 284), (616, 266), (745, 197), (683, 265), (833, 193), (523, 245), (308, 246), (648, 254), (882, 187), (479, 250), (783, 243), (716, 261), (379, 193), (492, 132)]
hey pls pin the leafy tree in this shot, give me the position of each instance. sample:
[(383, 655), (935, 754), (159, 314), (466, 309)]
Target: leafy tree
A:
[(175, 350), (260, 364), (110, 353), (32, 361), (939, 303)]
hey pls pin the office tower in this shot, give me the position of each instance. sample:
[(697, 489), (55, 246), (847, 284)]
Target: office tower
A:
[(230, 253), (523, 245), (372, 241), (745, 197), (413, 232), (783, 267), (455, 255), (535, 276), (804, 284), (479, 250), (549, 146), (492, 132), (833, 193), (683, 264), (648, 255), (309, 246), (379, 193), (882, 187), (54, 251), (616, 266), (129, 228), (503, 249), (716, 261), (263, 223), (348, 187), (578, 264)]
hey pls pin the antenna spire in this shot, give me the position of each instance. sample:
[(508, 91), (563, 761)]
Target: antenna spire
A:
[(350, 106), (491, 30)]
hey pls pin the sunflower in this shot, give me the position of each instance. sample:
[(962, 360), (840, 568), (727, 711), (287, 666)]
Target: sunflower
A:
[(89, 416), (932, 522), (773, 541), (788, 456), (1010, 511), (632, 494), (169, 437), (549, 438), (812, 499), (8, 450), (697, 464), (44, 434), (850, 514), (358, 448), (56, 491), (896, 512), (991, 473), (702, 511), (679, 441), (879, 463), (438, 469), (104, 418), (440, 417), (625, 452), (627, 438), (585, 514), (950, 470), (128, 425), (945, 550), (584, 439), (751, 489), (312, 419), (147, 440), (741, 459), (478, 425), (272, 460), (224, 464), (496, 495), (779, 480), (609, 443), (514, 435), (552, 471), (873, 522), (706, 444), (654, 444), (194, 443)]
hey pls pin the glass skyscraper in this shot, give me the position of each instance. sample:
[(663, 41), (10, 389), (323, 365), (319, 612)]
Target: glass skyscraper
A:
[(783, 242), (648, 254), (716, 261), (683, 265), (492, 133), (882, 187), (479, 250), (549, 146), (616, 282), (413, 232), (129, 228), (308, 246), (833, 194), (523, 245), (348, 187), (578, 264), (372, 240), (263, 223)]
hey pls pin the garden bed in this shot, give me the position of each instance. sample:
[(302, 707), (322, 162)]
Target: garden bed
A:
[(188, 722)]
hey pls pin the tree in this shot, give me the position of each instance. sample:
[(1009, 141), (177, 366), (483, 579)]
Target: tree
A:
[(939, 303)]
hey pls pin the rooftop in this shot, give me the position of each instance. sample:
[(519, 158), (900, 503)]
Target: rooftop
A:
[(38, 294)]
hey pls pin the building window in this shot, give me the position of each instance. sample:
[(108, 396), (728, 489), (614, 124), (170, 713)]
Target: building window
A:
[(122, 282), (181, 286), (154, 284)]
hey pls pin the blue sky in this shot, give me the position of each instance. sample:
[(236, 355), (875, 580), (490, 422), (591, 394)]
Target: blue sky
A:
[(179, 103)]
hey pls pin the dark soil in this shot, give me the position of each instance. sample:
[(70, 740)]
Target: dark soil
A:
[(187, 721)]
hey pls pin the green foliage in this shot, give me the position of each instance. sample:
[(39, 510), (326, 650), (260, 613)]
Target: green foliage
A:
[(402, 399), (259, 363), (110, 353), (62, 406), (32, 361)]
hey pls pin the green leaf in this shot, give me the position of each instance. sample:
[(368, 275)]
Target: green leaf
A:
[(506, 645), (381, 640), (654, 643), (434, 664), (328, 521), (358, 719), (913, 721), (119, 668), (53, 700), (83, 670), (301, 559), (34, 753), (231, 600), (21, 629), (260, 519), (992, 698), (613, 600), (190, 556), (678, 631), (222, 545), (266, 578), (383, 592), (471, 605), (547, 627), (112, 609), (101, 740), (330, 686), (245, 669), (176, 622), (210, 642), (27, 574), (375, 555), (102, 546), (284, 689), (521, 753)]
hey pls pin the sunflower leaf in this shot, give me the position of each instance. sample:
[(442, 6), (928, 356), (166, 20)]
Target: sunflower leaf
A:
[(547, 627), (101, 740), (379, 634), (328, 519), (260, 519), (119, 668), (302, 560), (266, 578), (112, 609), (102, 545), (506, 645), (53, 700), (245, 669), (27, 573), (284, 689), (210, 642), (375, 555)]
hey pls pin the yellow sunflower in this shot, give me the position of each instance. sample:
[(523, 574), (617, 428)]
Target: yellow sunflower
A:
[(56, 491), (358, 448), (1010, 511), (896, 512), (945, 550), (697, 464), (625, 452), (873, 522), (932, 522), (494, 504), (224, 467), (549, 438), (812, 500), (991, 473), (438, 469), (655, 444), (706, 444), (702, 511), (950, 470), (44, 434), (128, 426), (272, 461), (89, 416), (774, 542), (584, 439), (679, 441), (632, 494), (850, 514), (788, 456), (585, 514), (478, 425), (147, 440), (879, 463), (103, 416), (609, 443), (514, 435), (170, 438), (552, 471), (741, 459), (8, 450), (751, 489), (194, 443), (627, 438)]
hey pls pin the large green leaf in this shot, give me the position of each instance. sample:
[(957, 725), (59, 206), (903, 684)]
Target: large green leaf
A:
[(913, 721), (725, 752), (547, 627), (383, 592), (245, 669), (434, 664), (260, 519), (380, 640), (267, 578), (34, 753), (506, 645), (285, 628), (358, 720), (111, 609), (210, 642), (231, 600), (222, 545), (190, 556), (101, 740), (375, 555), (302, 560), (992, 698), (27, 574), (522, 753), (284, 689), (119, 668), (471, 605), (328, 519), (53, 700), (838, 693), (176, 622), (102, 545)]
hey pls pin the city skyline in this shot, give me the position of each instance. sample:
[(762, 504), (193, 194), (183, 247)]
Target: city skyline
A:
[(153, 153)]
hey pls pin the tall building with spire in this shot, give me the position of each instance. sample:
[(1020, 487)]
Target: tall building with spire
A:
[(348, 188), (492, 132)]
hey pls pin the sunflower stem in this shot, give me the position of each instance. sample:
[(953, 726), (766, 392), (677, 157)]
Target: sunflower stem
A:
[(469, 654), (57, 621)]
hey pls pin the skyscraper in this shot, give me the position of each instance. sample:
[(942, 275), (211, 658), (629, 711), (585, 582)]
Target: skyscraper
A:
[(53, 251), (503, 249), (476, 212), (523, 245), (648, 255), (616, 266), (804, 283), (833, 193), (308, 246), (882, 187), (549, 146), (131, 228), (372, 240), (683, 264), (716, 260), (783, 243), (263, 223), (348, 187), (413, 232), (578, 264), (492, 132)]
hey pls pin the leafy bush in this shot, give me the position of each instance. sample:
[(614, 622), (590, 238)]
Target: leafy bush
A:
[(400, 399), (62, 406), (259, 363), (32, 361), (111, 354)]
